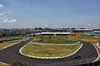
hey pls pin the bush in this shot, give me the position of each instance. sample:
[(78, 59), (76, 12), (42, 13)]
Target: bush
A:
[(18, 63)]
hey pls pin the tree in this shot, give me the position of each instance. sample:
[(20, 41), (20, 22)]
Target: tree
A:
[(18, 63), (73, 28), (40, 28), (35, 28), (82, 28), (4, 34)]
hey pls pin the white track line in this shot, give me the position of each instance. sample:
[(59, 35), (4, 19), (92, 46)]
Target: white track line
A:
[(4, 63), (98, 54)]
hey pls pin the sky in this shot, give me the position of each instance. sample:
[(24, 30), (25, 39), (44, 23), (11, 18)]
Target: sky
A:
[(50, 13)]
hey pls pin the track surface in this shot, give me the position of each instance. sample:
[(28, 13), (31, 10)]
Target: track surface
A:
[(88, 54)]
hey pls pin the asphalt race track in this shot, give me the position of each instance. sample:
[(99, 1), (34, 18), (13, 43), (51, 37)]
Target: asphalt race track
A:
[(88, 55)]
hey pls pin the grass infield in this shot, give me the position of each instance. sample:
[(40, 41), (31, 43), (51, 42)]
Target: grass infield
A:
[(55, 40), (3, 64), (6, 43), (49, 50), (90, 39)]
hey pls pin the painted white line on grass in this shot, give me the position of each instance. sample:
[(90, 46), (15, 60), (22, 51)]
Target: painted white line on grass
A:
[(22, 48), (97, 52), (11, 45), (77, 50), (52, 43), (98, 45), (4, 63)]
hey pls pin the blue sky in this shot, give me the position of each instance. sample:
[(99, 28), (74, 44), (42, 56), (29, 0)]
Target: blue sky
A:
[(50, 13)]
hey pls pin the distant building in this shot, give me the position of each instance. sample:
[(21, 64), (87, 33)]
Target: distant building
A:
[(81, 31), (96, 31), (52, 34)]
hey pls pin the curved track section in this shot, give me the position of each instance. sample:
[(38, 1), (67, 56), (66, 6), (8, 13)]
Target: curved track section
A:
[(88, 55)]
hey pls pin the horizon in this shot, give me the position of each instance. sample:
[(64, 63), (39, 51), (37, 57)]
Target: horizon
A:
[(49, 28)]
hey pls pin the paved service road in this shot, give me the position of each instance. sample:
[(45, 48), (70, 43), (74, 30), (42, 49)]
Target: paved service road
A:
[(51, 44), (88, 54)]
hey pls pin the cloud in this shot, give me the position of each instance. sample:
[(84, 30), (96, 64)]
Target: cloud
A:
[(88, 24), (1, 6), (12, 20), (6, 12), (1, 18), (56, 26), (45, 25), (7, 20), (98, 22), (93, 25), (1, 14)]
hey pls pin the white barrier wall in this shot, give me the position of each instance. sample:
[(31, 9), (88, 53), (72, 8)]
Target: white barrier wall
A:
[(53, 33)]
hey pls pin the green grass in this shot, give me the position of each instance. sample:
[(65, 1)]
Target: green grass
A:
[(6, 43), (49, 50), (55, 40), (3, 64), (89, 39)]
